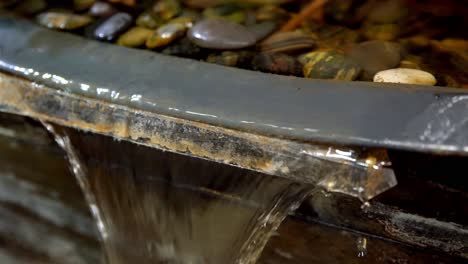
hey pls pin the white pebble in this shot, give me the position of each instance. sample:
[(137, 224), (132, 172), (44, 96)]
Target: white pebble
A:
[(404, 75)]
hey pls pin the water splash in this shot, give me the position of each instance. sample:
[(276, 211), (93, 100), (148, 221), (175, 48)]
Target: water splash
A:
[(159, 207)]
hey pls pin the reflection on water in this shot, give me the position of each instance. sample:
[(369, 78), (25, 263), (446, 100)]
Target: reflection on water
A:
[(160, 207)]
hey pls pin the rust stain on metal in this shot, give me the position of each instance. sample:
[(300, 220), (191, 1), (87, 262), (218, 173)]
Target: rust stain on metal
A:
[(18, 96)]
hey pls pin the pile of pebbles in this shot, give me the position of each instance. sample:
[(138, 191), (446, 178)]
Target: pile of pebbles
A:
[(393, 41)]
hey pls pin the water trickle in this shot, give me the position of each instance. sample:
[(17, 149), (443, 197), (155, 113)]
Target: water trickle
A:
[(159, 207)]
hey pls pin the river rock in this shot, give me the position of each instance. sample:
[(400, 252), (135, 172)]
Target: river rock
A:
[(135, 37), (240, 59), (102, 9), (277, 63), (81, 5), (329, 64), (287, 42), (165, 35), (263, 29), (218, 33), (31, 7), (407, 76), (112, 27), (374, 56), (63, 21)]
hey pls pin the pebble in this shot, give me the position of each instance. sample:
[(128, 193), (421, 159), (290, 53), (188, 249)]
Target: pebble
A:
[(232, 58), (329, 65), (166, 9), (185, 48), (135, 37), (387, 11), (407, 76), (230, 11), (272, 13), (165, 35), (102, 9), (149, 20), (31, 7), (277, 63), (63, 21), (385, 32), (287, 42), (112, 27), (216, 33), (374, 56), (263, 29), (81, 5)]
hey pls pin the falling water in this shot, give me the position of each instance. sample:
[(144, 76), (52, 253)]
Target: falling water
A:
[(159, 207)]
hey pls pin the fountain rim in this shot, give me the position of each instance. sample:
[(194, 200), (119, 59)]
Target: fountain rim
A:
[(405, 117)]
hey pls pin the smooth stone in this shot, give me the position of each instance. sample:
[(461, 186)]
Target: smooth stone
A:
[(165, 35), (185, 48), (102, 9), (240, 59), (218, 33), (31, 7), (112, 27), (149, 20), (229, 11), (406, 76), (263, 29), (63, 21), (329, 65), (125, 2), (166, 9), (81, 5), (287, 42), (277, 63), (384, 32), (388, 11), (374, 56), (135, 37), (272, 13)]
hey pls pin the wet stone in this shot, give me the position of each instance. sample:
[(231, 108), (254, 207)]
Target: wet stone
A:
[(277, 63), (165, 35), (240, 59), (63, 21), (102, 9), (230, 11), (272, 13), (329, 65), (135, 37), (218, 33), (166, 9), (406, 76), (149, 20), (263, 29), (387, 12), (31, 7), (375, 56), (186, 49), (81, 5), (383, 32), (112, 27), (287, 42)]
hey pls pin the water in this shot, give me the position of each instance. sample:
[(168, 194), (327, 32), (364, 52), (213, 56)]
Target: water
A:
[(159, 207)]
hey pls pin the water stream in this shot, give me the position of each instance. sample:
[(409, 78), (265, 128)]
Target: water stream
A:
[(159, 207)]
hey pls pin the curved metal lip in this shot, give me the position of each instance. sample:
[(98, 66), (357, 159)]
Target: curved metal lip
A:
[(419, 118)]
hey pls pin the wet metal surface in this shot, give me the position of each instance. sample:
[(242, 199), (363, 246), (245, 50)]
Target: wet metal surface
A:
[(280, 157), (399, 116)]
